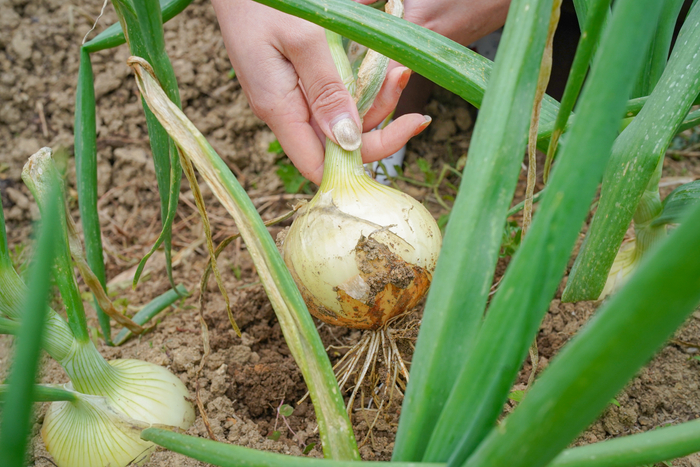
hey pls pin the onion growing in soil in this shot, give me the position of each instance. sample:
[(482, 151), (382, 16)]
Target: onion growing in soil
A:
[(117, 399), (114, 400), (362, 255)]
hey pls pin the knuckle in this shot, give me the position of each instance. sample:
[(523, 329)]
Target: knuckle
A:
[(327, 97), (299, 41)]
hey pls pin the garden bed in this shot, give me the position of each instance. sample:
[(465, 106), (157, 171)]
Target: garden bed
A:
[(244, 379)]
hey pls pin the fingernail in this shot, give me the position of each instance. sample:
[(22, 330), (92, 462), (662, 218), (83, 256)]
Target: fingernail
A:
[(423, 125), (347, 133), (403, 80)]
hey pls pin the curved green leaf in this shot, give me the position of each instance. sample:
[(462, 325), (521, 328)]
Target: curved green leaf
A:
[(678, 202)]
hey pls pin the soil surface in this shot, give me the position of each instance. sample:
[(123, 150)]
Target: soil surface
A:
[(246, 378)]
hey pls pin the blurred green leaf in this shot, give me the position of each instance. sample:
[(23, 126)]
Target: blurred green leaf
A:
[(516, 396), (275, 147), (16, 414), (292, 179), (677, 203), (428, 172), (286, 410), (308, 448), (512, 235)]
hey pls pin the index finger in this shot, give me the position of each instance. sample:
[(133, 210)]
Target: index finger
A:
[(296, 135)]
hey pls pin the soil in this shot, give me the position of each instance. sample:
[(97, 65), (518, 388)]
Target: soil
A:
[(246, 378)]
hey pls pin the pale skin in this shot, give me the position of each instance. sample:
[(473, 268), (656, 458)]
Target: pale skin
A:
[(287, 73)]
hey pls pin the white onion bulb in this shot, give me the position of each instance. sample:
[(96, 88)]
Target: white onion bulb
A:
[(360, 252), (117, 400)]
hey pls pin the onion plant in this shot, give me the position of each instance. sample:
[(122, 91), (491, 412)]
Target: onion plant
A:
[(97, 417), (469, 351)]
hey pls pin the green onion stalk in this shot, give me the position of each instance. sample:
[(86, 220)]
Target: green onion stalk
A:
[(114, 400), (630, 189), (647, 234), (677, 88)]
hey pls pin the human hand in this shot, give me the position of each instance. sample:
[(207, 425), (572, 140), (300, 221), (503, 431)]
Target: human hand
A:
[(287, 73), (462, 21)]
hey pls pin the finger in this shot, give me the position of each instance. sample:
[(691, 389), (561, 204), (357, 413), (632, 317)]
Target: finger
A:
[(385, 102), (296, 135), (382, 143), (331, 104), (319, 133)]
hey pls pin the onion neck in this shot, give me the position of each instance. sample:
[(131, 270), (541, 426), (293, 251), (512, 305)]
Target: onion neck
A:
[(58, 338), (649, 208), (88, 371), (341, 168), (340, 59)]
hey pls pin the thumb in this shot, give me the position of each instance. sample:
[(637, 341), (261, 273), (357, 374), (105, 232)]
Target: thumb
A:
[(330, 103)]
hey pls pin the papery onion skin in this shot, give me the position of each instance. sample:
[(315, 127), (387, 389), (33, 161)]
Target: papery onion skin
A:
[(625, 263), (362, 253)]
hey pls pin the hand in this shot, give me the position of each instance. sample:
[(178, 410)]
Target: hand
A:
[(462, 21), (286, 71)]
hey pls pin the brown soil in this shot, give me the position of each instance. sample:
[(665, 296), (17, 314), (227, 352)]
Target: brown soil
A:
[(244, 379)]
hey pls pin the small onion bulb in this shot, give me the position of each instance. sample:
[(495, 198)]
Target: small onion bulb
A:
[(360, 252), (104, 428)]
